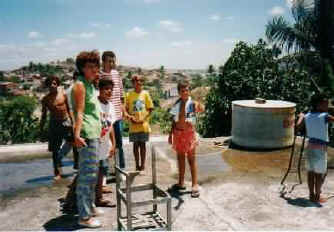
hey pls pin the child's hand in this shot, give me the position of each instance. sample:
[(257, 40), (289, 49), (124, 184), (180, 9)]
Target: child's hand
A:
[(199, 107), (170, 139), (112, 151)]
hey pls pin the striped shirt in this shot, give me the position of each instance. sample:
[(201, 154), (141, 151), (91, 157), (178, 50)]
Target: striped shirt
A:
[(117, 93)]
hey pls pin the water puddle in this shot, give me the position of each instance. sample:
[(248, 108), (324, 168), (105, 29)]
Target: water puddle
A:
[(18, 176)]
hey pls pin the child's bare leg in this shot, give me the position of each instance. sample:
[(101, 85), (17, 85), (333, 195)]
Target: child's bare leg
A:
[(318, 185), (182, 166), (311, 185), (193, 168), (142, 155), (136, 154)]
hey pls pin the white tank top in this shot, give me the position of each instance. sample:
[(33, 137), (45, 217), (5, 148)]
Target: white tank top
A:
[(317, 126)]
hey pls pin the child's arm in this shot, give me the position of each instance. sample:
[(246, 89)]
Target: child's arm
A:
[(199, 108), (330, 118), (113, 142), (301, 122), (79, 93), (44, 115), (170, 137)]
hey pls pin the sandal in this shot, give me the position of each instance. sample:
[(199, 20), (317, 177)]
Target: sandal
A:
[(90, 223), (195, 192), (320, 199)]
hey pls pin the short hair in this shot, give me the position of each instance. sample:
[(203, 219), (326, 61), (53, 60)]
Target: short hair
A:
[(85, 57), (105, 81), (50, 79), (316, 99), (137, 78), (108, 53), (182, 84), (76, 74)]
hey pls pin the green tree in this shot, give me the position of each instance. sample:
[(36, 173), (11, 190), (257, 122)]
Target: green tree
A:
[(17, 121), (309, 35), (70, 61), (2, 76), (162, 72), (211, 69), (252, 71)]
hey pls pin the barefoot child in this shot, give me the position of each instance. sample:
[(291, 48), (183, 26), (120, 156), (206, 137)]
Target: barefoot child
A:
[(183, 134), (107, 144), (316, 123), (55, 102), (139, 106)]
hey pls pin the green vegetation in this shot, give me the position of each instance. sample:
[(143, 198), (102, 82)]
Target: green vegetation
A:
[(17, 121), (253, 71)]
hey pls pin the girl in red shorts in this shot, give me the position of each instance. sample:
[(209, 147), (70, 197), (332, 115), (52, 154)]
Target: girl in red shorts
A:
[(183, 136)]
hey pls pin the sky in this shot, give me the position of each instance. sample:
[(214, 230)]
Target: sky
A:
[(179, 34)]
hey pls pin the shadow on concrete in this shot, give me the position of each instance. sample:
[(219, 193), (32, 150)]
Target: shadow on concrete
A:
[(301, 202), (174, 192), (62, 223), (46, 178)]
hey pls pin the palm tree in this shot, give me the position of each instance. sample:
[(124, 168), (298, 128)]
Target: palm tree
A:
[(303, 35), (309, 36)]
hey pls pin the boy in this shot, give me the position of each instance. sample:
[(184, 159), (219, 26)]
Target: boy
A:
[(139, 107), (183, 136), (56, 102), (117, 99), (107, 144), (316, 123)]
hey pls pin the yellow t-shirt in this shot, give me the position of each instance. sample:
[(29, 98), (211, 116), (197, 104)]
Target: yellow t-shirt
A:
[(138, 105)]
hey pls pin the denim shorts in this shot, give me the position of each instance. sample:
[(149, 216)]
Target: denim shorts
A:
[(139, 137)]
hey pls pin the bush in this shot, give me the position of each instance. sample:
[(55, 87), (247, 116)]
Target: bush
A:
[(163, 118), (250, 72), (17, 121)]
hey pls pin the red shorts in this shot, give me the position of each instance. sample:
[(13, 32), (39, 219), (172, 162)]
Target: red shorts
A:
[(184, 141)]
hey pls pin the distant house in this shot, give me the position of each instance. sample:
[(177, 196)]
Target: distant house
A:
[(7, 88), (36, 76)]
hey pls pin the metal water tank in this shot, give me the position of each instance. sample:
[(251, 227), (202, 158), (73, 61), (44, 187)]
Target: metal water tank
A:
[(263, 124)]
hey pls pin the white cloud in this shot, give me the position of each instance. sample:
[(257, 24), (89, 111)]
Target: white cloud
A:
[(215, 17), (60, 42), (180, 44), (136, 32), (87, 35), (276, 11), (171, 25), (83, 35), (100, 25), (34, 35)]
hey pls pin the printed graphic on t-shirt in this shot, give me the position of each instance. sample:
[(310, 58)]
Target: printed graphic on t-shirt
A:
[(106, 123), (138, 106)]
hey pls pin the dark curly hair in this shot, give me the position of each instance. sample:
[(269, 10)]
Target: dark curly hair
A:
[(105, 81), (316, 99), (108, 53), (87, 57), (50, 79)]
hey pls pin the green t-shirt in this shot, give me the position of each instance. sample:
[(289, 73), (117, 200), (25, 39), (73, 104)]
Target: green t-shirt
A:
[(91, 125)]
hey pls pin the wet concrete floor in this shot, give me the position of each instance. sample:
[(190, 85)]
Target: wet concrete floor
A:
[(240, 190)]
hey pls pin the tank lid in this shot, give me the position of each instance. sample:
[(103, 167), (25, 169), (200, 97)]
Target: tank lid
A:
[(267, 104)]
